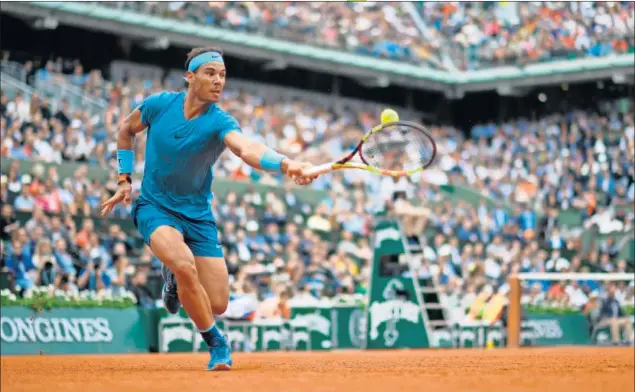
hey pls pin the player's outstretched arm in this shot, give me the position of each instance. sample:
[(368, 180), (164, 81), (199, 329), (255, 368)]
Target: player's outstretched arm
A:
[(259, 156), (132, 125)]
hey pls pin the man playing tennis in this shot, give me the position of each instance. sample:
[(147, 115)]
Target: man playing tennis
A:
[(187, 132)]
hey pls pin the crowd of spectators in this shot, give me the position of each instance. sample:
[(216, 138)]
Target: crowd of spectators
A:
[(489, 34), (375, 29), (468, 35), (51, 235), (574, 160)]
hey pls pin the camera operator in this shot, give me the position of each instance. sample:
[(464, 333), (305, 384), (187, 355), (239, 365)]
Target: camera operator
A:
[(48, 272), (93, 276), (67, 284)]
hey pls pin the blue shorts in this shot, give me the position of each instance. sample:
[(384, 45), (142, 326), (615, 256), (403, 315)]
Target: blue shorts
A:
[(200, 236)]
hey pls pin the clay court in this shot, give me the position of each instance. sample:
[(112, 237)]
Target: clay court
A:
[(549, 369)]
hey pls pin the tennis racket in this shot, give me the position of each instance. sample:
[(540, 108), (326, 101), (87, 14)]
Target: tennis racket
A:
[(396, 149)]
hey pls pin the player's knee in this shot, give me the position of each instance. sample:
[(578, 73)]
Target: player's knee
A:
[(185, 271), (219, 307)]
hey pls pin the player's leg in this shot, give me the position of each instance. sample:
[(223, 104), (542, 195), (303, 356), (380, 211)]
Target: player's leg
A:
[(212, 273), (202, 238), (164, 233), (147, 217), (168, 245)]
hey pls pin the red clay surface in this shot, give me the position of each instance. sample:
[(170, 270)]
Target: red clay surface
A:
[(538, 369)]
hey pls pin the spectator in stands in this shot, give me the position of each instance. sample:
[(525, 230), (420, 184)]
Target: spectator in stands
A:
[(8, 222), (62, 256), (117, 274), (48, 272), (138, 285), (3, 257), (612, 315), (94, 277), (25, 201), (499, 165), (276, 306), (19, 108), (19, 262)]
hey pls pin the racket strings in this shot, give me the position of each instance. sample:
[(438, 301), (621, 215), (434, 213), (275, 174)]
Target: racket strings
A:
[(398, 147)]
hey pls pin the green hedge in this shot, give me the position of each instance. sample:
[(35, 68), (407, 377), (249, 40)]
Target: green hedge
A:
[(40, 299), (545, 309)]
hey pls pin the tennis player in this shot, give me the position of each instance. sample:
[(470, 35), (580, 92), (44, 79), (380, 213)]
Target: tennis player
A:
[(187, 132)]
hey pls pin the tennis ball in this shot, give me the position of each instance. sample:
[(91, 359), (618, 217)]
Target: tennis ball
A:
[(388, 116)]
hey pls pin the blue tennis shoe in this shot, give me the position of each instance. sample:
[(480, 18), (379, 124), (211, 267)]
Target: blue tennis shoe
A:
[(220, 355), (169, 295)]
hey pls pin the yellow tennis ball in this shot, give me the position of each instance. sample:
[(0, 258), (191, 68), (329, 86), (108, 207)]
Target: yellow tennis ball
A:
[(388, 116)]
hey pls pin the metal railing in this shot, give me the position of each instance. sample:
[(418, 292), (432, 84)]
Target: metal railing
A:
[(58, 87), (11, 86), (14, 77), (13, 69)]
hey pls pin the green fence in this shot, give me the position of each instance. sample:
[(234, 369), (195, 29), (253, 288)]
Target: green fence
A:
[(109, 330), (539, 329), (310, 328), (71, 331)]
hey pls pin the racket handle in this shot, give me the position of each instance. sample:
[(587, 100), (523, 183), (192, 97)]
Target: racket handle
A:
[(317, 170)]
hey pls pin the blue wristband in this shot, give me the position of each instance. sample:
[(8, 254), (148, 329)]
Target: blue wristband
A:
[(125, 161), (271, 161)]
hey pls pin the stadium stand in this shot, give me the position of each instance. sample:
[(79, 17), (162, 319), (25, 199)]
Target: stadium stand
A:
[(546, 194), (323, 249), (465, 36), (485, 35)]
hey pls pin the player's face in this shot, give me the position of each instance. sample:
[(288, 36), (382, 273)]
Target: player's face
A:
[(208, 81)]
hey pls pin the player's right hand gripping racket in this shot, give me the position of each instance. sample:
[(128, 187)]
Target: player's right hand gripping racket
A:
[(396, 149)]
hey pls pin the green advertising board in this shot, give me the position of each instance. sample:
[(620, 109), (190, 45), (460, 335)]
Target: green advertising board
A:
[(394, 315), (476, 335), (349, 327), (177, 333), (558, 329), (537, 330), (332, 326), (310, 328), (319, 323), (71, 331)]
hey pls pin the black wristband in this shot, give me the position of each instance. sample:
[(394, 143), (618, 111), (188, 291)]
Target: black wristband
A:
[(124, 178)]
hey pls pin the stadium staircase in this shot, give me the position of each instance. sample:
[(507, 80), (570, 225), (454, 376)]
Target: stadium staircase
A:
[(434, 314)]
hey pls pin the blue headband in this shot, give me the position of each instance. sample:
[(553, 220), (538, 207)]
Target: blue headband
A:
[(204, 58)]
